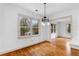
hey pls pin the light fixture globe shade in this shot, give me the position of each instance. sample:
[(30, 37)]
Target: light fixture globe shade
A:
[(45, 19)]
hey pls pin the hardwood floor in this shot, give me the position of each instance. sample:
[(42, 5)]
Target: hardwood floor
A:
[(60, 47), (75, 52)]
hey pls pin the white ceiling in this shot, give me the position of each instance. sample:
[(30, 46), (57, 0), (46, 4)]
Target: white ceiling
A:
[(52, 8)]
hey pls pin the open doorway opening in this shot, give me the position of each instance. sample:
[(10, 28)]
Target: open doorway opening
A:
[(61, 27)]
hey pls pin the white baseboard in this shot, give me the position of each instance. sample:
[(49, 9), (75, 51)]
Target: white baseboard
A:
[(3, 52), (74, 46)]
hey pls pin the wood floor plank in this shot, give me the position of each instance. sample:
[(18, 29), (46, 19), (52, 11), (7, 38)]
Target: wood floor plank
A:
[(60, 47)]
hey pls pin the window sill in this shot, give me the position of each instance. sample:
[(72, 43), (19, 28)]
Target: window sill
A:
[(23, 37)]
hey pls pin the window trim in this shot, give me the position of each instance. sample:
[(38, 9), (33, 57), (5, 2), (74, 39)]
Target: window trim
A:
[(53, 28), (31, 35)]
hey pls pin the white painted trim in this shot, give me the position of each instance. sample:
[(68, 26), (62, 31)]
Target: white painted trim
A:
[(74, 46), (20, 47)]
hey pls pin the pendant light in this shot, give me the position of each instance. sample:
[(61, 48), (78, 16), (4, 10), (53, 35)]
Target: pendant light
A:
[(45, 19)]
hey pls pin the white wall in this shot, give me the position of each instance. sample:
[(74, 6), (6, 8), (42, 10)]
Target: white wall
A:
[(62, 28), (1, 25), (75, 24), (9, 23)]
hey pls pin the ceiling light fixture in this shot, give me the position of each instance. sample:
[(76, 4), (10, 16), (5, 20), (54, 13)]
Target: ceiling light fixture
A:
[(45, 19)]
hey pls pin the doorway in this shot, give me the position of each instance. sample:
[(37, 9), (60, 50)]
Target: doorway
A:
[(61, 27)]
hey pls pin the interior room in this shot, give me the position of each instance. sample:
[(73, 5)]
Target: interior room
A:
[(39, 29)]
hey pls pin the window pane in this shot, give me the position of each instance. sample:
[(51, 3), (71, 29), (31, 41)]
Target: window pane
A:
[(24, 26), (24, 31), (35, 31), (69, 28), (34, 23), (52, 30)]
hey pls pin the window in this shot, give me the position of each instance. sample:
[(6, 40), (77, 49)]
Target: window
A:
[(24, 26), (28, 26), (35, 27), (53, 28), (69, 28)]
